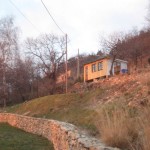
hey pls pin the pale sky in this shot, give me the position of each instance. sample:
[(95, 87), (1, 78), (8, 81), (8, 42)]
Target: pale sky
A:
[(83, 20)]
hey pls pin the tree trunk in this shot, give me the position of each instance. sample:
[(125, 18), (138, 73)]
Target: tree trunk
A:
[(4, 86), (112, 64)]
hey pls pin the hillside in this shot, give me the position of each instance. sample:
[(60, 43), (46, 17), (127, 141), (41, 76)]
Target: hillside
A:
[(72, 108), (94, 106)]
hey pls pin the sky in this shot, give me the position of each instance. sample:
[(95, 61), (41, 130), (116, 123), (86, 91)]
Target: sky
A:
[(84, 21)]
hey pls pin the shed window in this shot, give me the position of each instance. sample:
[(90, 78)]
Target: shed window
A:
[(93, 67), (100, 66)]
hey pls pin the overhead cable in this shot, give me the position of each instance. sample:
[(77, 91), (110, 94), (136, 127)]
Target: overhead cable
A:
[(24, 15), (52, 17)]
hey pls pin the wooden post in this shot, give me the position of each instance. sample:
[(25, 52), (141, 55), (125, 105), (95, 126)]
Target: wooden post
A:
[(78, 66), (66, 67)]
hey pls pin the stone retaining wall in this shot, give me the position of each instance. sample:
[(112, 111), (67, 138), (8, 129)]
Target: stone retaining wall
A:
[(64, 136)]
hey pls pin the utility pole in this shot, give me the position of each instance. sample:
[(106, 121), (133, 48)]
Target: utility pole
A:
[(78, 66), (66, 67)]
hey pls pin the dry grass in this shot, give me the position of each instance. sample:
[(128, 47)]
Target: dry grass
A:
[(144, 78), (144, 123), (118, 128), (123, 129)]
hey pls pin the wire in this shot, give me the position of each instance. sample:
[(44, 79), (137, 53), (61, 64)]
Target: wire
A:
[(52, 17), (24, 16), (55, 21), (33, 24)]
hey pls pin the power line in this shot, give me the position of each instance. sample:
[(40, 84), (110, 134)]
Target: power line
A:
[(54, 21), (24, 15), (52, 17)]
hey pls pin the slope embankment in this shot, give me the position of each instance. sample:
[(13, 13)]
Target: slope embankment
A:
[(64, 136)]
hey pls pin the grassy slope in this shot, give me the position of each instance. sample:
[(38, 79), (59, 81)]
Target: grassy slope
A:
[(15, 139), (72, 108)]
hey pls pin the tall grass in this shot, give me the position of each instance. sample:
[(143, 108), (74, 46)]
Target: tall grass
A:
[(144, 123), (123, 129), (117, 128)]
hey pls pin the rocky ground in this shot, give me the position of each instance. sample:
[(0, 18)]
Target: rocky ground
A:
[(134, 89)]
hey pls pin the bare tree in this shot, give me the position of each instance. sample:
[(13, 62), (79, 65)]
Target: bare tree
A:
[(136, 47), (148, 15), (112, 46), (133, 46), (48, 51), (8, 44), (23, 77)]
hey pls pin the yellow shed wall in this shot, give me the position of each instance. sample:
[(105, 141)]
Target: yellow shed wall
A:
[(96, 74)]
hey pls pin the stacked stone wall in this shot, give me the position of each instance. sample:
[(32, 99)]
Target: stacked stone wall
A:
[(64, 136)]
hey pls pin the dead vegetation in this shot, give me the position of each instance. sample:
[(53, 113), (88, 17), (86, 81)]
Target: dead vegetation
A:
[(124, 120), (131, 89), (123, 110), (124, 128), (117, 128)]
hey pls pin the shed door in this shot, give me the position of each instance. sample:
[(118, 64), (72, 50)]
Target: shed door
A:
[(86, 73)]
